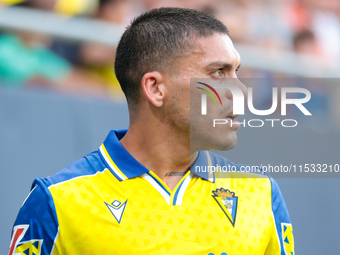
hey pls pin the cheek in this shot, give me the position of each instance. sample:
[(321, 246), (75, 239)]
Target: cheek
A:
[(182, 100), (180, 91), (181, 82), (179, 103)]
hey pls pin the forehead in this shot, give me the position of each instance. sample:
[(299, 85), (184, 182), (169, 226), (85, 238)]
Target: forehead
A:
[(215, 48)]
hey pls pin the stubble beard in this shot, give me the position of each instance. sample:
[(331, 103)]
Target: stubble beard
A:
[(179, 122)]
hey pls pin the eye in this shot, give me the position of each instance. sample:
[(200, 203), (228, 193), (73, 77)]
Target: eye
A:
[(218, 72)]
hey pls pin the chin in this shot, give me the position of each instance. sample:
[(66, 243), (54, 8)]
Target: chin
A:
[(225, 145), (216, 143), (224, 140)]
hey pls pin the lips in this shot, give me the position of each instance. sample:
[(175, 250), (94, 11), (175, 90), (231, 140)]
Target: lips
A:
[(232, 116)]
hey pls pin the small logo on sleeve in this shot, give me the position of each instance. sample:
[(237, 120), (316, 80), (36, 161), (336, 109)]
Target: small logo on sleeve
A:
[(30, 247), (227, 200), (117, 209), (23, 248)]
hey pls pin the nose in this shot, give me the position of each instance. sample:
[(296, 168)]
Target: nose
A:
[(236, 82)]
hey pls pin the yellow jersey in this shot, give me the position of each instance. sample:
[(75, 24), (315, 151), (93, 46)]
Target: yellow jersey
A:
[(108, 203)]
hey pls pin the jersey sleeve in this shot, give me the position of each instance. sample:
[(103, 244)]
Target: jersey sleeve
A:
[(282, 239), (35, 230)]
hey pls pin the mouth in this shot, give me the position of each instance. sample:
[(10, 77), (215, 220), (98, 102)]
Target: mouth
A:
[(232, 116)]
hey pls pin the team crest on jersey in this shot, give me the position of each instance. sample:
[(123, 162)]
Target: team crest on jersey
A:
[(227, 200), (288, 238)]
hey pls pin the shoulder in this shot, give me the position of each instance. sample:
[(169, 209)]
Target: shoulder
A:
[(244, 178), (41, 200), (86, 166), (223, 166), (252, 176), (40, 191)]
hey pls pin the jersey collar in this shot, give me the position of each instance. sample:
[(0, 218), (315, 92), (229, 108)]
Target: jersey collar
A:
[(201, 166), (121, 163), (124, 166)]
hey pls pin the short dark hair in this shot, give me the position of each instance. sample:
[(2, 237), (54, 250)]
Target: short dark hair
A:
[(154, 39)]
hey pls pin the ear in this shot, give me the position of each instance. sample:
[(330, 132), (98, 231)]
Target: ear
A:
[(153, 88)]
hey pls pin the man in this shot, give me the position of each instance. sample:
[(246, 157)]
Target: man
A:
[(136, 194)]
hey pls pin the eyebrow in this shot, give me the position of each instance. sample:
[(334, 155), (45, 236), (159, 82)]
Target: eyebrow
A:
[(221, 64)]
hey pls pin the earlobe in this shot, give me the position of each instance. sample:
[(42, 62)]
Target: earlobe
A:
[(153, 88)]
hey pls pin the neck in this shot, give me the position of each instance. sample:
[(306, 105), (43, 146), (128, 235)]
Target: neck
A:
[(160, 148)]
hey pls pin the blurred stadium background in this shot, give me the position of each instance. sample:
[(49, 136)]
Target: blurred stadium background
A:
[(59, 96)]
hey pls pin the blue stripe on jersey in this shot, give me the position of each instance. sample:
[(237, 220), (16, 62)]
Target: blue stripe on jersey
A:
[(109, 167), (174, 202), (280, 211), (160, 184)]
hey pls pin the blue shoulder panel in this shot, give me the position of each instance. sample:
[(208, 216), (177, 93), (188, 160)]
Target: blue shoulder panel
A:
[(36, 226), (281, 216), (87, 165), (222, 161)]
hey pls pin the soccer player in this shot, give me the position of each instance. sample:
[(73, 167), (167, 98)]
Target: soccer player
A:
[(136, 194)]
